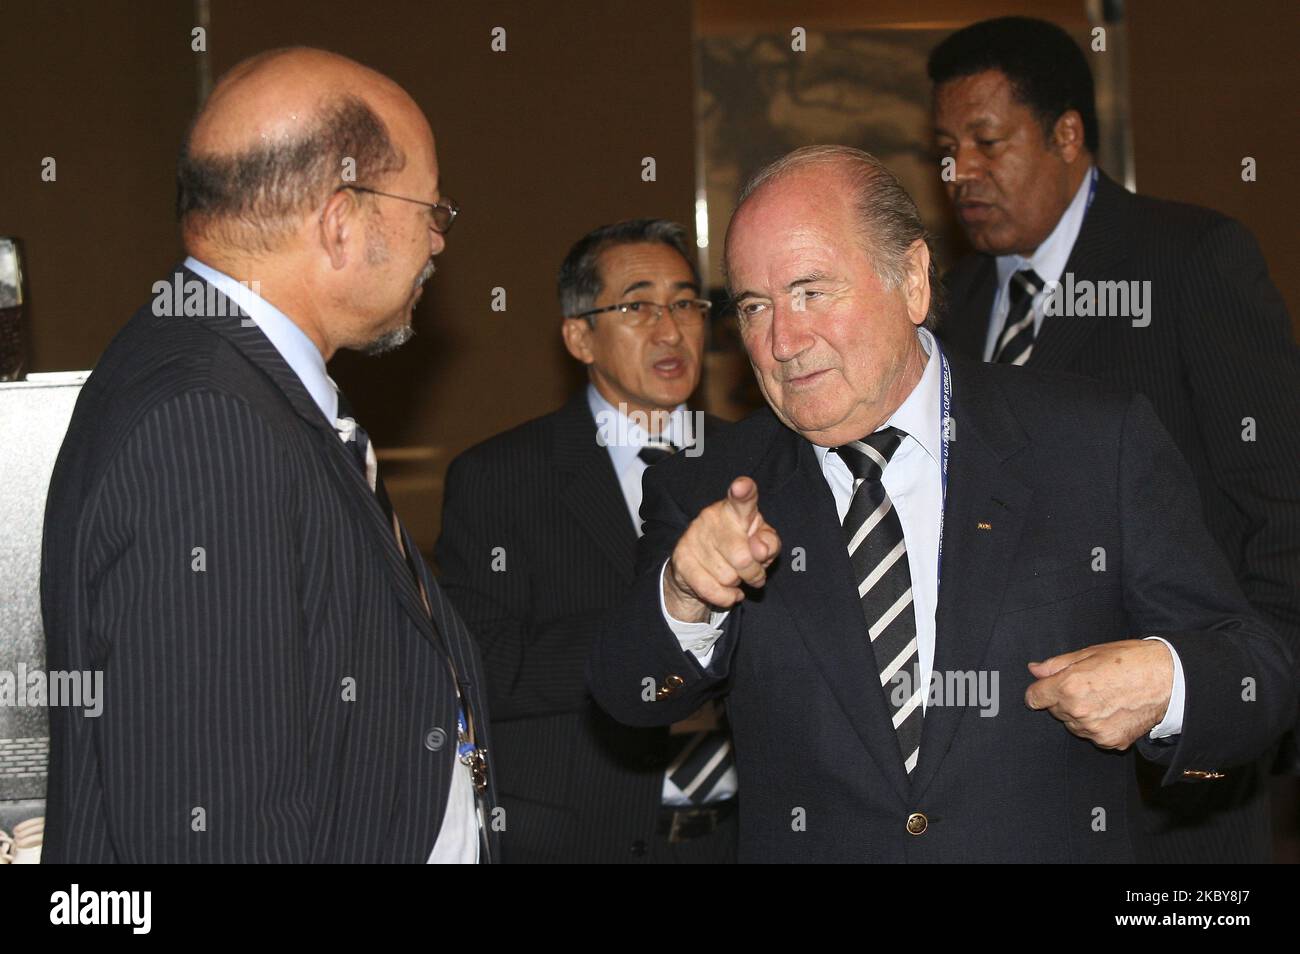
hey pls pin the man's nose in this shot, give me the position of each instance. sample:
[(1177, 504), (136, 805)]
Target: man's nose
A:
[(436, 242), (789, 337), (968, 165), (666, 329)]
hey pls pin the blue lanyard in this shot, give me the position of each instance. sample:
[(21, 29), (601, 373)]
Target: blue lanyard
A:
[(464, 747), (945, 432), (1092, 190)]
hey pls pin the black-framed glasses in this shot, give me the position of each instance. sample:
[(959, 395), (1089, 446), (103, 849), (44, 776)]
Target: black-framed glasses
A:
[(638, 314), (444, 210)]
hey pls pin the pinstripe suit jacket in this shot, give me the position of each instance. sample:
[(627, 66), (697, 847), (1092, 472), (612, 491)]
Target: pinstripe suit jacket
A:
[(274, 690), (576, 785), (1218, 350)]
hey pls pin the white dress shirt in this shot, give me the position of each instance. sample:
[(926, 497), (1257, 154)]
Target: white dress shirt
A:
[(624, 438), (914, 483), (1048, 263), (458, 838)]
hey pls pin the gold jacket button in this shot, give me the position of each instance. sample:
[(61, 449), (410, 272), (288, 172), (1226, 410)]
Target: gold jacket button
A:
[(917, 823), (671, 685)]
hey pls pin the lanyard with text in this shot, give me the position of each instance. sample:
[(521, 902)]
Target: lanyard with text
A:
[(1092, 189), (945, 435)]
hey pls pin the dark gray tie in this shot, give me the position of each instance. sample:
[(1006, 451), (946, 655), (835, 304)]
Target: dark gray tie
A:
[(878, 556)]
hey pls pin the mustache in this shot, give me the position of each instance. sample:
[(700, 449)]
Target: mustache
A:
[(969, 195)]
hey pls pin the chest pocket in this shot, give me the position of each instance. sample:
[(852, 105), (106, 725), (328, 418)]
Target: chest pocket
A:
[(1050, 579)]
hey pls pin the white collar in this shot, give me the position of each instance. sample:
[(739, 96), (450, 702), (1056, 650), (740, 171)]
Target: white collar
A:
[(624, 437), (918, 415)]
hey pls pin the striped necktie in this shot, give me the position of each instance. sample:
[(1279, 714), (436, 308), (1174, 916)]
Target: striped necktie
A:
[(700, 760), (1016, 342), (354, 436), (878, 556)]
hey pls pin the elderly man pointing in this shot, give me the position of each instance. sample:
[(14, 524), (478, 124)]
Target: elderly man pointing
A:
[(946, 603)]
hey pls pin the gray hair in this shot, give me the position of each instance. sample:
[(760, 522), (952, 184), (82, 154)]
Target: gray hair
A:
[(579, 282), (889, 219), (249, 200)]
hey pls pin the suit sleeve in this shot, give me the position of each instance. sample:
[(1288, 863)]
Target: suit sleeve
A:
[(1244, 375), (203, 741), (1240, 691), (488, 572), (637, 654)]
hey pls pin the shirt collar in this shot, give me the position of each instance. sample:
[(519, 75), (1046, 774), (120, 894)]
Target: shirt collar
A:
[(298, 351), (918, 415), (624, 437), (1049, 259)]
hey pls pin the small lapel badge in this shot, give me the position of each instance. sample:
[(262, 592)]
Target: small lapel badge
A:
[(983, 525)]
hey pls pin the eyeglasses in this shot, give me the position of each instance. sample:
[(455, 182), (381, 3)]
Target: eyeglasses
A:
[(444, 211), (639, 314)]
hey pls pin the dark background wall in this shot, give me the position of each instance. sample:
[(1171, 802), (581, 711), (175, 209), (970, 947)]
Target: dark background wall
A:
[(538, 144)]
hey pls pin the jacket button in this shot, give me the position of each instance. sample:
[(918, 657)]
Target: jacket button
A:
[(671, 685), (638, 848), (917, 823), (435, 739)]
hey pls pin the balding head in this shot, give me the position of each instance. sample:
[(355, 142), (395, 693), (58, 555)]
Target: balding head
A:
[(281, 131), (262, 194), (888, 221), (829, 267)]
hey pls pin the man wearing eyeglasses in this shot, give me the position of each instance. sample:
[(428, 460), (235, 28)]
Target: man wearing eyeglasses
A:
[(284, 680), (539, 533)]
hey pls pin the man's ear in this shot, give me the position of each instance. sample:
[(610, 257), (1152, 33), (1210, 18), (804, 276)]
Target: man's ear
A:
[(577, 339), (342, 214), (1067, 135), (916, 283)]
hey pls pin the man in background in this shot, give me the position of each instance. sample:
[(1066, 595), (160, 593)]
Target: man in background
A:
[(538, 539), (284, 681), (1073, 273)]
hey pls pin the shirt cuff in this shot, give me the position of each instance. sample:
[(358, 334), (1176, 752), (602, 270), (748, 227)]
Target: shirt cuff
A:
[(1172, 723), (695, 638)]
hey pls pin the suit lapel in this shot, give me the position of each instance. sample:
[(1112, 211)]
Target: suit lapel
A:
[(590, 488), (983, 517), (821, 599), (244, 335), (967, 330), (1098, 255)]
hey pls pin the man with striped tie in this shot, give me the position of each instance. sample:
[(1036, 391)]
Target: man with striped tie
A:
[(534, 564), (1211, 345), (940, 597)]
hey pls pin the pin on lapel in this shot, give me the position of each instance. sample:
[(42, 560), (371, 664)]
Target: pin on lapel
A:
[(983, 525)]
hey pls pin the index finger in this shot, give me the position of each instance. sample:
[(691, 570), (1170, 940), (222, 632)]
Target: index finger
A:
[(742, 501)]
